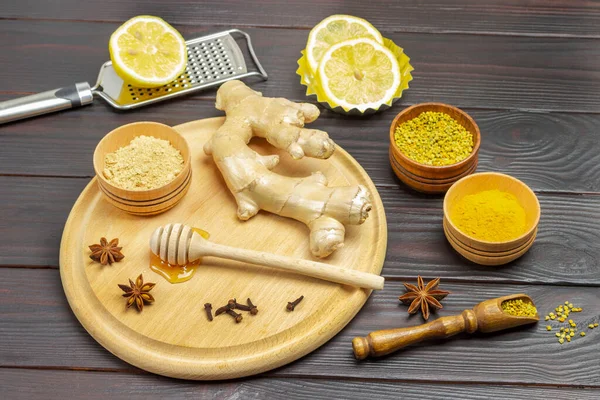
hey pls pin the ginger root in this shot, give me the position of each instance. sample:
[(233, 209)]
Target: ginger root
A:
[(325, 210)]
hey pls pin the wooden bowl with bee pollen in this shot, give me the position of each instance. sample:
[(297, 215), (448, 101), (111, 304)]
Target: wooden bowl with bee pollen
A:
[(430, 178), (473, 248), (150, 201)]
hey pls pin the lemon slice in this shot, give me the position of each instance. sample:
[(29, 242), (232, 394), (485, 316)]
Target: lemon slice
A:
[(333, 30), (359, 73), (147, 52)]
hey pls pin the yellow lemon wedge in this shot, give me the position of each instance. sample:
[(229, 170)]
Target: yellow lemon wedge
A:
[(333, 30), (359, 73), (147, 52)]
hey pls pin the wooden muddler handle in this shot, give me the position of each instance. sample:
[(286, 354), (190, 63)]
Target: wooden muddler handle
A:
[(386, 341), (323, 271)]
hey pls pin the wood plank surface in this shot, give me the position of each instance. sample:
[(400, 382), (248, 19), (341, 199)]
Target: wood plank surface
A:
[(32, 217), (37, 326), (528, 71), (28, 384), (565, 250), (505, 72), (549, 151), (571, 18)]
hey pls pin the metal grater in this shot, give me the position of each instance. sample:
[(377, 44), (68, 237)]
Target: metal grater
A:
[(212, 60)]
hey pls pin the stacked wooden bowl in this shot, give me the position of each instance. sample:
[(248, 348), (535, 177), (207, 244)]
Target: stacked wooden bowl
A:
[(143, 202), (429, 178), (484, 252)]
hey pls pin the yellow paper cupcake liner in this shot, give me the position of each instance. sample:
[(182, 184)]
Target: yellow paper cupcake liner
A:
[(314, 90)]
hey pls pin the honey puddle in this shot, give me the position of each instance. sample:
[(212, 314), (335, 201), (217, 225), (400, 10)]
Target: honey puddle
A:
[(176, 273)]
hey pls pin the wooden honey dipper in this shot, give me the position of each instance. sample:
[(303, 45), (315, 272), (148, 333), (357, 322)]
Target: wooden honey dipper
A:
[(178, 244), (486, 316)]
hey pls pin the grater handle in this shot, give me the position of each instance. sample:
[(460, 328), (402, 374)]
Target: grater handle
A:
[(64, 98), (261, 71)]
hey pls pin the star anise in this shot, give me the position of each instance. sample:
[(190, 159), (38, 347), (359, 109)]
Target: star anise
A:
[(138, 293), (106, 252), (423, 296)]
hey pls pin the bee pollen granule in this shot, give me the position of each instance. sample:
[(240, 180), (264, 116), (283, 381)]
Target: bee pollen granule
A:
[(434, 138)]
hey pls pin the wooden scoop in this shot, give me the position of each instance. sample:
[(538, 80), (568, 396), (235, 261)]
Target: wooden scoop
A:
[(486, 316), (178, 244)]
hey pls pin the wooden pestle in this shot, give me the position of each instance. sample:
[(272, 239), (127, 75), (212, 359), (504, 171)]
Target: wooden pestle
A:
[(178, 244), (486, 316)]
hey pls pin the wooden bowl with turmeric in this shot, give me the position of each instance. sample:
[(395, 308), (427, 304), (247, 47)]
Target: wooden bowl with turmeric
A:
[(489, 257), (432, 145), (491, 218), (143, 168)]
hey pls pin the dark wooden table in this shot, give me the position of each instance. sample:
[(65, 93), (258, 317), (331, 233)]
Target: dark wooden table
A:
[(527, 71)]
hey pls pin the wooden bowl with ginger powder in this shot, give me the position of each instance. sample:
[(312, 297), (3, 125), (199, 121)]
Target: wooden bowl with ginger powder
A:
[(143, 168), (491, 218), (433, 145)]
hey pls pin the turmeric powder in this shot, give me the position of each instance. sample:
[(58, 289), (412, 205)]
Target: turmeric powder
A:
[(491, 215)]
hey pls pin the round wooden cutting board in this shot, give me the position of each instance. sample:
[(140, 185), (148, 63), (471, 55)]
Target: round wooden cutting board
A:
[(173, 336)]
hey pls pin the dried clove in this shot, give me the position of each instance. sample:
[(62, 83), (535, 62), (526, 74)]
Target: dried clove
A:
[(293, 304), (253, 309), (208, 308), (231, 305), (225, 308), (239, 306), (238, 317)]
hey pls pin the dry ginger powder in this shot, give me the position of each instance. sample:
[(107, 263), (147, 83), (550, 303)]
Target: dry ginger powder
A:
[(145, 163), (490, 215)]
